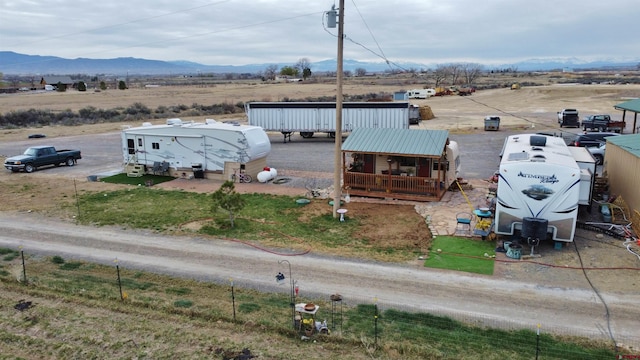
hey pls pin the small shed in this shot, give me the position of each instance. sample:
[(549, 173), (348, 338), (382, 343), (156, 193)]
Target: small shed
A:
[(622, 166), (407, 164)]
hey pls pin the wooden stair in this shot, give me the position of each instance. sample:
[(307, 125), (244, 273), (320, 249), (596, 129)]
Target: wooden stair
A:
[(135, 171)]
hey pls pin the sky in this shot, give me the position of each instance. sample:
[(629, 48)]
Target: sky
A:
[(240, 32)]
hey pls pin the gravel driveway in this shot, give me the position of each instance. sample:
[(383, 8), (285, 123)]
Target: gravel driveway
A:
[(481, 299)]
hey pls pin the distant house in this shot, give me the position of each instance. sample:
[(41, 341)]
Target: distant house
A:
[(55, 80)]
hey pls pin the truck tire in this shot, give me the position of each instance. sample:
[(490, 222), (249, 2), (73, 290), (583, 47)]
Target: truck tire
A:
[(306, 134), (70, 161), (29, 168)]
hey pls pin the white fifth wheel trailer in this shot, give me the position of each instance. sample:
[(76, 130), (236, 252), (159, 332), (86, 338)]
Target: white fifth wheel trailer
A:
[(212, 147), (539, 188), (308, 118)]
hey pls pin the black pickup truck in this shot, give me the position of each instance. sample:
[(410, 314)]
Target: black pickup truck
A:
[(602, 123), (38, 156)]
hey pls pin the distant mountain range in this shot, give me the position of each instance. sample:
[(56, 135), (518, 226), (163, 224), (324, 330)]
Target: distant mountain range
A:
[(12, 63)]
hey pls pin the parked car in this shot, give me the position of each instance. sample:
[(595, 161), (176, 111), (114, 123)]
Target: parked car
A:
[(591, 139), (598, 153)]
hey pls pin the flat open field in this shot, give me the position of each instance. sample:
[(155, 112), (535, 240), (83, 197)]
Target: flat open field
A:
[(530, 106)]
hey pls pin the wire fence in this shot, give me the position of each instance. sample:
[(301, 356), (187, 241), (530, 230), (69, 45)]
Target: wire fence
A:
[(370, 323)]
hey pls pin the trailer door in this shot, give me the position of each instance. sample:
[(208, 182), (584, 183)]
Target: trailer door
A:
[(140, 149)]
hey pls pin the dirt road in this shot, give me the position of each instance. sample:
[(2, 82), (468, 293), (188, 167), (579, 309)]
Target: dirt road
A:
[(480, 299)]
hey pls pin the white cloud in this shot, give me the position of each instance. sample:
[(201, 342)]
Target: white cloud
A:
[(259, 31)]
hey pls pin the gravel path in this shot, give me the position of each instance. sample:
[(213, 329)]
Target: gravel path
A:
[(482, 299)]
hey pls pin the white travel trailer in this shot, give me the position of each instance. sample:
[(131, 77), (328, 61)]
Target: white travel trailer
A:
[(219, 149), (538, 188), (421, 93)]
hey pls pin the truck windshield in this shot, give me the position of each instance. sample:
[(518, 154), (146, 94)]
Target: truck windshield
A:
[(30, 152)]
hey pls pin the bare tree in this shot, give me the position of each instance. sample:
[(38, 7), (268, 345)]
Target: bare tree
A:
[(440, 73), (270, 72), (471, 72), (361, 72), (455, 70), (302, 64)]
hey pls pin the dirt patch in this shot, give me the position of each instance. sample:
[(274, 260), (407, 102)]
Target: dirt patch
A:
[(383, 226)]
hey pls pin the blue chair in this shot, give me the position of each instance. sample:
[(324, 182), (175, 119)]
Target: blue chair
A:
[(463, 223)]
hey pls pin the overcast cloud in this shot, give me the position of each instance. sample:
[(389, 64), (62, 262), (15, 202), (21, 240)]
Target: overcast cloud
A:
[(238, 32)]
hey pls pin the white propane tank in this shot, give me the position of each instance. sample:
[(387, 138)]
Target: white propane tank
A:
[(266, 175)]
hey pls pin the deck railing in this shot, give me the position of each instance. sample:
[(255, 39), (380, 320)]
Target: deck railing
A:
[(394, 186)]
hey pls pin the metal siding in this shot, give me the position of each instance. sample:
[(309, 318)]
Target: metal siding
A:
[(321, 117), (623, 171), (397, 141)]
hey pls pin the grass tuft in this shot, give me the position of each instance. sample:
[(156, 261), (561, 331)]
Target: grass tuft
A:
[(461, 254)]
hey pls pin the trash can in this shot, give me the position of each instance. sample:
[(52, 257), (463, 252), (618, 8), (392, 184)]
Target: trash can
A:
[(198, 172), (491, 123)]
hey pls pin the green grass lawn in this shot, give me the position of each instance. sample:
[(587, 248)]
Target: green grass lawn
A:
[(462, 254)]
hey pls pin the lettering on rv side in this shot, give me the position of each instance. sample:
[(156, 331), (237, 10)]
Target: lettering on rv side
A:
[(544, 179)]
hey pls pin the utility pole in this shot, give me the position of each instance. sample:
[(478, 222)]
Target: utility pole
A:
[(337, 174)]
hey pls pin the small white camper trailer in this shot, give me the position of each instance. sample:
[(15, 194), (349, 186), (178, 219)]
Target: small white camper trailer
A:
[(421, 93), (538, 188), (212, 147)]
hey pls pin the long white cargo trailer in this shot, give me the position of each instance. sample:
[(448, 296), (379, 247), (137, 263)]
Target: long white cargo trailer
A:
[(308, 118)]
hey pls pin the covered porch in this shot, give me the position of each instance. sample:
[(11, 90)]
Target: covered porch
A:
[(397, 163)]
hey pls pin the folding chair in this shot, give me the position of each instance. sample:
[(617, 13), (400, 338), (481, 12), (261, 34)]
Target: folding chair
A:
[(463, 223), (156, 167), (164, 168)]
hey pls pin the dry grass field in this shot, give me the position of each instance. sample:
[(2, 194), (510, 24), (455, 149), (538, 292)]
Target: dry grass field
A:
[(534, 106)]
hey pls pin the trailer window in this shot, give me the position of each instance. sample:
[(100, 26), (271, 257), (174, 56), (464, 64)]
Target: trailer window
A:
[(436, 165), (155, 145)]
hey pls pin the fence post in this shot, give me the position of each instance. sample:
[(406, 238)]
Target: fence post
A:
[(24, 268)]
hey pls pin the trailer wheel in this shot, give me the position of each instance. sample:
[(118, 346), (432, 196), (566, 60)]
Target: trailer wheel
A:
[(29, 168), (332, 135), (306, 134), (70, 161)]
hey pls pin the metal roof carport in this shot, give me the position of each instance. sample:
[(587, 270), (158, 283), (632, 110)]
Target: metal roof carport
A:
[(633, 106)]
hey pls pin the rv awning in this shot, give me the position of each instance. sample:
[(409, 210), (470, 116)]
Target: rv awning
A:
[(137, 133)]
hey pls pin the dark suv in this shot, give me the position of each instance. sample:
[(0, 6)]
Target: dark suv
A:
[(591, 139)]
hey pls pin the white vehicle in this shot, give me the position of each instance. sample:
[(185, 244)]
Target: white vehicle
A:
[(539, 188), (421, 93), (598, 153), (219, 149)]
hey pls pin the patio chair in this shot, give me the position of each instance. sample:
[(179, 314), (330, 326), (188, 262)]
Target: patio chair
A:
[(156, 167), (164, 168), (463, 223)]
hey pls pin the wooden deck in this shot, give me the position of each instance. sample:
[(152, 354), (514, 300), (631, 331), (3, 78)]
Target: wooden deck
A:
[(394, 186)]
